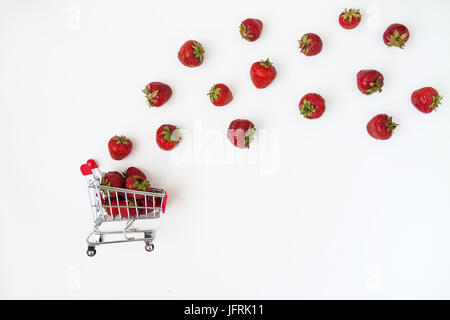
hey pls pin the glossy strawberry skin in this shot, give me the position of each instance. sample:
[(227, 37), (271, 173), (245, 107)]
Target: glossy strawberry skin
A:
[(350, 19), (251, 29), (191, 53), (220, 95), (167, 137), (113, 179), (119, 147), (241, 132), (369, 81), (310, 44), (157, 93), (133, 171), (396, 35), (426, 99), (120, 208), (262, 73), (312, 106), (137, 183), (381, 127)]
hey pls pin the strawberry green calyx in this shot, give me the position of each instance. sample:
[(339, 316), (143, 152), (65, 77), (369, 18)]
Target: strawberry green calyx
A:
[(397, 40), (245, 32), (214, 93), (436, 102), (307, 109), (198, 51), (390, 125), (151, 96), (304, 44), (121, 139), (249, 136), (266, 63), (171, 135), (351, 14), (140, 183), (375, 87)]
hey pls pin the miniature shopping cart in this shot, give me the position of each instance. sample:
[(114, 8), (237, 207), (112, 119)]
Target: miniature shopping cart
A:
[(121, 208)]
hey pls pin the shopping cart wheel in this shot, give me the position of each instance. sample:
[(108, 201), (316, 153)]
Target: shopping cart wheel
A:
[(91, 251), (149, 246)]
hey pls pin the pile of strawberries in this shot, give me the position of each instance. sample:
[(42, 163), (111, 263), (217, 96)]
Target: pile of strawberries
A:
[(122, 203), (263, 73)]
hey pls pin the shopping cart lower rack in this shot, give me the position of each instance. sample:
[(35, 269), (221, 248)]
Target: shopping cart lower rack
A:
[(110, 204)]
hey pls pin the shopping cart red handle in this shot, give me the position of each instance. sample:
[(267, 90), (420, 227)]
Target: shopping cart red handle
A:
[(92, 164), (85, 169), (164, 203)]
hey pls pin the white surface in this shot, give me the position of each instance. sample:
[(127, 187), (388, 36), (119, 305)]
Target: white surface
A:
[(318, 209)]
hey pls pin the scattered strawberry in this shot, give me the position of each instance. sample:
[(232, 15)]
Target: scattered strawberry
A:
[(262, 73), (251, 29), (113, 179), (167, 136), (120, 208), (349, 19), (396, 35), (157, 93), (133, 171), (191, 53), (241, 133), (119, 147), (381, 127), (312, 106), (220, 95), (369, 81), (310, 44), (426, 99), (137, 183)]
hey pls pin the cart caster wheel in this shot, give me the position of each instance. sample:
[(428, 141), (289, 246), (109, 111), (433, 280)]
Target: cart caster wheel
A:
[(91, 251), (149, 247)]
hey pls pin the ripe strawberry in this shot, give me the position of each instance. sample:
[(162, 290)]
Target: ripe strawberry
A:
[(120, 208), (191, 53), (349, 19), (220, 95), (396, 35), (312, 106), (119, 147), (381, 127), (251, 29), (369, 81), (426, 99), (241, 133), (113, 179), (150, 204), (167, 136), (262, 73), (133, 171), (137, 183), (157, 93), (310, 44)]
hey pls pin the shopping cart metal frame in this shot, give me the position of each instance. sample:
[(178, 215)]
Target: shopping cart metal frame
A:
[(110, 204)]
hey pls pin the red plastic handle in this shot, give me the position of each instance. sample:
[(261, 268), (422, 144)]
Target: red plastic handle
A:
[(92, 164), (164, 203), (85, 169)]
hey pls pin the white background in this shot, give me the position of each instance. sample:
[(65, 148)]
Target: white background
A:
[(315, 208)]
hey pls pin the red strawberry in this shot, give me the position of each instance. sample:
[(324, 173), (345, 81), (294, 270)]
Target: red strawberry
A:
[(113, 179), (262, 73), (241, 133), (426, 99), (157, 93), (381, 127), (396, 35), (349, 19), (369, 81), (150, 204), (312, 106), (137, 183), (191, 53), (121, 208), (220, 95), (251, 29), (133, 171), (167, 136), (119, 147), (310, 44)]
